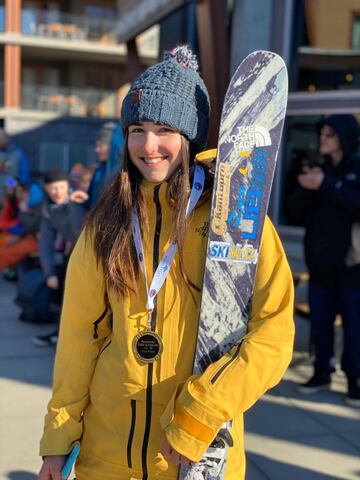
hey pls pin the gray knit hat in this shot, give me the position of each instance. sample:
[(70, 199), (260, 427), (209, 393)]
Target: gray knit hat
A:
[(172, 93)]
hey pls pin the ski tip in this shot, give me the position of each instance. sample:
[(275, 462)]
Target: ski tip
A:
[(265, 54), (262, 59)]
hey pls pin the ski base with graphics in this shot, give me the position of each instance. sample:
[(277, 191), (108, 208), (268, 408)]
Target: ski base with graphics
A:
[(249, 138)]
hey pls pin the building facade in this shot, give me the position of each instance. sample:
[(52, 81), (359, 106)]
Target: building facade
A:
[(64, 71)]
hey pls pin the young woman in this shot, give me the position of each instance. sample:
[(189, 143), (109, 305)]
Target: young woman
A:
[(123, 381)]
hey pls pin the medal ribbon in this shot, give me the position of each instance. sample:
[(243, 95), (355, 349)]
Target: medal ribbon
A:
[(166, 261)]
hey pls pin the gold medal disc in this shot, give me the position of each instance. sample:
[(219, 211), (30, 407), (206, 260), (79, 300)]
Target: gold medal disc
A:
[(147, 346)]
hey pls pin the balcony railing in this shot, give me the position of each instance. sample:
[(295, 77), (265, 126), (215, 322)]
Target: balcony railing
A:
[(51, 23), (71, 101), (67, 26)]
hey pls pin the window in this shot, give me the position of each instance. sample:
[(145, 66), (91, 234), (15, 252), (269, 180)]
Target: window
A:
[(327, 35), (2, 17), (356, 33), (41, 75), (65, 155)]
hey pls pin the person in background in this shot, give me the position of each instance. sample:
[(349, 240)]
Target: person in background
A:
[(109, 145), (327, 203), (13, 163), (23, 238), (9, 214), (61, 223), (85, 180), (80, 177)]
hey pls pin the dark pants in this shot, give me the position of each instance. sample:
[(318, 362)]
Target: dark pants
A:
[(325, 303)]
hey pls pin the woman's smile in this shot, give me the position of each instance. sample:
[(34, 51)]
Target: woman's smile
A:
[(153, 160)]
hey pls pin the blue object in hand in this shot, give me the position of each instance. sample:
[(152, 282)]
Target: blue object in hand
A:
[(70, 460)]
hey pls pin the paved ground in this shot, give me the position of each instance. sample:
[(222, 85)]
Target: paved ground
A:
[(289, 437)]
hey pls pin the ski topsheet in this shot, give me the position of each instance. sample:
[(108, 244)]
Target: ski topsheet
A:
[(249, 138)]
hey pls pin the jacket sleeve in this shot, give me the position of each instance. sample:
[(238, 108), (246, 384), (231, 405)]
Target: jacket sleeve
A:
[(344, 193), (231, 385), (31, 220), (77, 350), (299, 205), (77, 217), (47, 247)]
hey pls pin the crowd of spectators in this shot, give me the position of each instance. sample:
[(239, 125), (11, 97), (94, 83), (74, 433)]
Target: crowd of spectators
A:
[(40, 220)]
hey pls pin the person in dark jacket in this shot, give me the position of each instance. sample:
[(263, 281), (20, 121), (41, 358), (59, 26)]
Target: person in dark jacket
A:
[(61, 224), (327, 202)]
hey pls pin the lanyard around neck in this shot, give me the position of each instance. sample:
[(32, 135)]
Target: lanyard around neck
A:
[(166, 261)]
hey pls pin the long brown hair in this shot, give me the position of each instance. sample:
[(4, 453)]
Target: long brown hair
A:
[(110, 221)]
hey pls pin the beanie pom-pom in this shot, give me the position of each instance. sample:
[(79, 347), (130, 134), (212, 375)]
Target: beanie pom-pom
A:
[(184, 56)]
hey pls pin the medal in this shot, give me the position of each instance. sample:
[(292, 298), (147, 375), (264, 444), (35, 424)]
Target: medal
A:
[(147, 346)]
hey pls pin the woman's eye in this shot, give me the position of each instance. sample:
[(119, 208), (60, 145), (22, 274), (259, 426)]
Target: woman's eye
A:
[(167, 129), (135, 130)]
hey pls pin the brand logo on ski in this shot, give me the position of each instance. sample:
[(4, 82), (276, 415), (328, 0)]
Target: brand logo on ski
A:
[(224, 252), (249, 137), (245, 214), (222, 193), (244, 167)]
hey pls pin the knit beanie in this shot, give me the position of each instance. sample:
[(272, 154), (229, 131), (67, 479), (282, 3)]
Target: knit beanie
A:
[(171, 93), (347, 129), (55, 175)]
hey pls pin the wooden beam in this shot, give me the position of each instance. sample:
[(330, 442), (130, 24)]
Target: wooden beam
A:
[(221, 44), (13, 15), (12, 76), (133, 64), (12, 55), (214, 55)]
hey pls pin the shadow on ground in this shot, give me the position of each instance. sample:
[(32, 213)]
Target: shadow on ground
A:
[(282, 470), (21, 475), (20, 360)]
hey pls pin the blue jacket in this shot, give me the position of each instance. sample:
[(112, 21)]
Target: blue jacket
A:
[(106, 170)]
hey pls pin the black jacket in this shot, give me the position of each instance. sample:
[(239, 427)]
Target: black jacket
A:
[(331, 216), (64, 220)]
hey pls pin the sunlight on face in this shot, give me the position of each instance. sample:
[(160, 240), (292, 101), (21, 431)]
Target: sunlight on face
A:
[(102, 151), (155, 150), (58, 191)]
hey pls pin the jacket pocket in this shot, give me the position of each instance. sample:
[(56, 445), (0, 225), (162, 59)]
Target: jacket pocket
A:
[(226, 365), (131, 432)]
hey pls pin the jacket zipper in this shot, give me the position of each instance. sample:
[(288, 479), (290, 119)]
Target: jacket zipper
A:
[(104, 348), (150, 366), (221, 370), (132, 431), (96, 323)]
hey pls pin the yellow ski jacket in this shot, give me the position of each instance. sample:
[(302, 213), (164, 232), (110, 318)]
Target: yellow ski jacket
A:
[(122, 409)]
